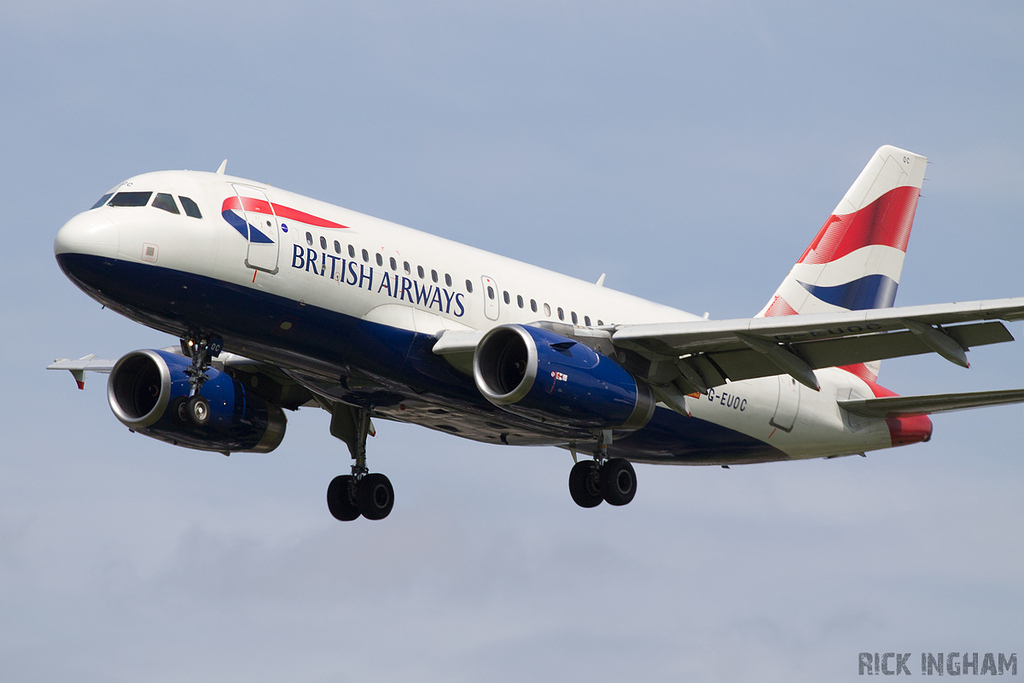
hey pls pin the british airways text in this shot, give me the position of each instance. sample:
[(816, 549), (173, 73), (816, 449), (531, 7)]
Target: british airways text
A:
[(361, 275)]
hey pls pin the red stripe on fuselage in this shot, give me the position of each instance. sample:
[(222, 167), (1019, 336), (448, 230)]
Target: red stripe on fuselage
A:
[(251, 204), (885, 221)]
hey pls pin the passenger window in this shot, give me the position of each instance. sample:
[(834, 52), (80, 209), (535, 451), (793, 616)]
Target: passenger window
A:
[(519, 300), (469, 286), (505, 297), (309, 239), (547, 310), (131, 199), (191, 208), (323, 242), (380, 260), (600, 323), (419, 271), (351, 251), (533, 305), (394, 263), (366, 256), (586, 320), (337, 247), (561, 316), (433, 275), (490, 292), (102, 201), (448, 279), (407, 268), (575, 320), (166, 202)]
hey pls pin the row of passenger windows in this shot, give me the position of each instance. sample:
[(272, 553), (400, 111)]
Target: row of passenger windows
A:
[(407, 268), (547, 308), (162, 201), (391, 261)]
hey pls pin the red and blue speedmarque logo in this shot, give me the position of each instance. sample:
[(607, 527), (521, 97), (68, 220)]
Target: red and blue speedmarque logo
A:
[(252, 205)]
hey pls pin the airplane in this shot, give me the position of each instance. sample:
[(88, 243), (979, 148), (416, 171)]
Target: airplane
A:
[(281, 301)]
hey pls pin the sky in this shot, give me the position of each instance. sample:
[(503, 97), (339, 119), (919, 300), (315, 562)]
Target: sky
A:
[(689, 150)]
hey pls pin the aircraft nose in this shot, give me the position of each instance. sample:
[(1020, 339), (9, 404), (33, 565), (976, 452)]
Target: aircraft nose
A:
[(89, 234)]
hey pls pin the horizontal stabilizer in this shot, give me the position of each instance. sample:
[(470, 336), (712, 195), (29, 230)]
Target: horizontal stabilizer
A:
[(900, 406)]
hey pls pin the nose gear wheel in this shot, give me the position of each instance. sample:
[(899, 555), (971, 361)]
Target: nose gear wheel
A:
[(201, 348)]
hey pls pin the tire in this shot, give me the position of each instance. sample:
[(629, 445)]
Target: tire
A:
[(618, 481), (176, 409), (376, 496), (198, 410), (339, 498), (585, 484)]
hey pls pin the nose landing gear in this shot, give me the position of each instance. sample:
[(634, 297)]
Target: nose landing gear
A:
[(201, 348)]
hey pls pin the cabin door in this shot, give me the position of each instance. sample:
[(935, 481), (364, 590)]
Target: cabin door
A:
[(788, 404), (264, 238)]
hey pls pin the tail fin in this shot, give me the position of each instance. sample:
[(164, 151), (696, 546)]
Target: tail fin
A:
[(854, 262)]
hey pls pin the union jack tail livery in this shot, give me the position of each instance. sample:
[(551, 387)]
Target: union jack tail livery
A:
[(854, 262)]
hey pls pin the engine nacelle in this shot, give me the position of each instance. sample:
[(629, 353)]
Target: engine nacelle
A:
[(146, 387), (556, 380)]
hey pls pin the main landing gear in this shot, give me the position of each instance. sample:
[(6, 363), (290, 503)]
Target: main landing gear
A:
[(602, 479), (201, 348), (362, 492)]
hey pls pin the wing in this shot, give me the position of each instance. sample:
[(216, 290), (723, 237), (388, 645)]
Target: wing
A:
[(267, 380), (899, 406), (699, 354), (79, 367), (457, 347)]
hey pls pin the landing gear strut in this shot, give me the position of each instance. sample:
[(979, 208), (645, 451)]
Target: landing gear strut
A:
[(362, 492), (201, 348), (602, 479)]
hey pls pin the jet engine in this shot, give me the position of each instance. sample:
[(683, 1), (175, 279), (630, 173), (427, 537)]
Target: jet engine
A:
[(552, 379), (148, 389)]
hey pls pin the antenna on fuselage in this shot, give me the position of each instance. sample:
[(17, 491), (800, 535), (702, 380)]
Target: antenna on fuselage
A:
[(600, 280), (223, 167)]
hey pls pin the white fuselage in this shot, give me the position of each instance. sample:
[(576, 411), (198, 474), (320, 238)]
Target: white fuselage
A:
[(330, 259)]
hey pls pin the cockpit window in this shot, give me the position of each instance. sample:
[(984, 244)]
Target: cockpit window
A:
[(131, 199), (165, 202), (102, 201), (191, 208)]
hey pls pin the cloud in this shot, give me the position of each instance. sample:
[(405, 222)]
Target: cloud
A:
[(689, 152)]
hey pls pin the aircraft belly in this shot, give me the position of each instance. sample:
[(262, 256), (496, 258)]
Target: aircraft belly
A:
[(341, 354), (672, 438)]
